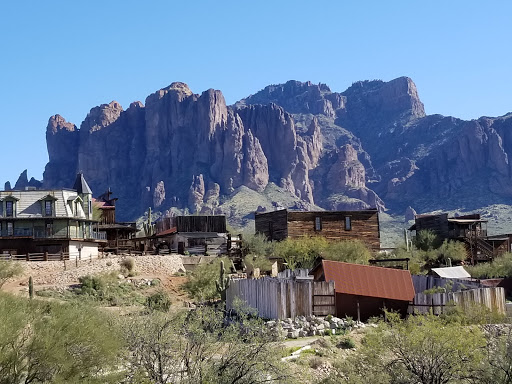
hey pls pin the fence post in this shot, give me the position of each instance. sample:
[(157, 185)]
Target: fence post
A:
[(45, 258), (61, 255), (28, 256)]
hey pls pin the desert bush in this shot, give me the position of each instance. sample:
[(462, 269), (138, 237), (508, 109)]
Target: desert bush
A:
[(471, 314), (200, 284), (301, 253), (315, 362), (258, 245), (202, 347), (426, 240), (158, 301), (346, 343), (128, 265), (261, 262), (349, 251), (42, 342), (499, 267), (108, 289), (422, 349), (8, 270)]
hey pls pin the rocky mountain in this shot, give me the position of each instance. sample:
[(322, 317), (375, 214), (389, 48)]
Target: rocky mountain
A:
[(296, 144)]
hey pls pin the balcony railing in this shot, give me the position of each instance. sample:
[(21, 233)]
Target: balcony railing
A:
[(27, 232)]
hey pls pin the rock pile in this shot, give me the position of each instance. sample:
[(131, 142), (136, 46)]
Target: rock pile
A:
[(303, 326)]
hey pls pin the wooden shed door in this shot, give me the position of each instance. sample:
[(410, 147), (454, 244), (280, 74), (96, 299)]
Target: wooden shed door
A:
[(324, 298)]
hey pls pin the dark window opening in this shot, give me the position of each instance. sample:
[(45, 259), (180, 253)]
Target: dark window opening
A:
[(271, 230), (48, 208), (9, 208), (348, 223), (10, 229), (318, 223)]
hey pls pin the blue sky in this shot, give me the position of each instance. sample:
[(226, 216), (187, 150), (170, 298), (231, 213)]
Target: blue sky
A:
[(66, 57)]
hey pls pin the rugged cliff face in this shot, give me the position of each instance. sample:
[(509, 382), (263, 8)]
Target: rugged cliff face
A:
[(370, 146)]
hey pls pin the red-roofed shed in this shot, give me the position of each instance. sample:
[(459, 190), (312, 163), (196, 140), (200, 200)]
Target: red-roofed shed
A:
[(362, 291)]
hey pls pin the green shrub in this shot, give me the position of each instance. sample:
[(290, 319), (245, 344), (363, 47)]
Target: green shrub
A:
[(301, 253), (158, 301), (128, 264), (349, 251), (261, 262), (257, 245), (8, 270), (499, 267), (315, 362), (347, 343), (200, 284)]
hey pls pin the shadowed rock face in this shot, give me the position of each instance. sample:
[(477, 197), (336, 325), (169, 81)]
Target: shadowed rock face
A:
[(371, 144)]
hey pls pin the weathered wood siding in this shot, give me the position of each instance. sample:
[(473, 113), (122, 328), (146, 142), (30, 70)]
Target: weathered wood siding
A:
[(200, 223), (280, 299), (274, 225), (492, 298), (364, 226), (436, 223), (215, 224)]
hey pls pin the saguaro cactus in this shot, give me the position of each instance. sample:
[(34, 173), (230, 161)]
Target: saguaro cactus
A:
[(31, 287), (223, 282), (149, 228)]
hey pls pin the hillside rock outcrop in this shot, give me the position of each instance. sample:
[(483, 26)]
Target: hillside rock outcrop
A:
[(370, 144)]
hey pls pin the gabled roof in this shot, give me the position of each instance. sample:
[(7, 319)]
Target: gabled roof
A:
[(365, 280), (48, 197), (81, 185), (11, 197), (452, 272)]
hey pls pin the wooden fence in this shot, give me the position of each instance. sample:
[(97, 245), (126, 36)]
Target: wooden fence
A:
[(492, 298), (280, 299), (423, 283)]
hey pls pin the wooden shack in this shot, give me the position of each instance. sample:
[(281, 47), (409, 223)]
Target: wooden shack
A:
[(204, 235), (469, 229), (118, 234), (363, 291), (333, 225)]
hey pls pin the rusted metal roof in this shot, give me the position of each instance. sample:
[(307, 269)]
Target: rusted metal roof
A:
[(166, 232), (364, 280)]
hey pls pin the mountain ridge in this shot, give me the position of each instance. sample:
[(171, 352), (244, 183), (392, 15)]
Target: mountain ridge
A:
[(369, 146)]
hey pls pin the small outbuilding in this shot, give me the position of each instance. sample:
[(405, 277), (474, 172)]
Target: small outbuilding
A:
[(452, 272), (363, 291)]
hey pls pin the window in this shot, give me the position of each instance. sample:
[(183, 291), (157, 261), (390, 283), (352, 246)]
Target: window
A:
[(318, 223), (49, 228), (10, 228), (48, 208), (9, 209), (90, 207), (348, 223)]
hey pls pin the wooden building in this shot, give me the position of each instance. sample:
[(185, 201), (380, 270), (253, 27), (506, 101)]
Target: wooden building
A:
[(469, 229), (118, 234), (53, 221), (204, 235), (364, 291), (333, 225)]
